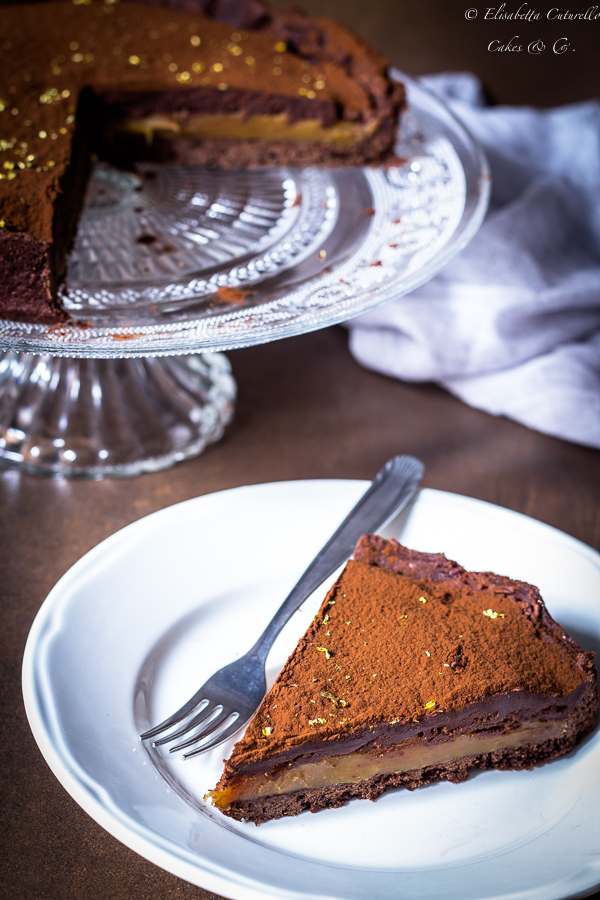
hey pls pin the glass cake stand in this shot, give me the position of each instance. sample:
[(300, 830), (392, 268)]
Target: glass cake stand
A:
[(173, 265)]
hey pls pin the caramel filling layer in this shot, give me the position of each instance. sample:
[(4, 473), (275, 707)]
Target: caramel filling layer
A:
[(404, 757), (261, 127)]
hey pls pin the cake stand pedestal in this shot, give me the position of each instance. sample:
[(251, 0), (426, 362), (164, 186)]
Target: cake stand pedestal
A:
[(89, 418), (173, 265)]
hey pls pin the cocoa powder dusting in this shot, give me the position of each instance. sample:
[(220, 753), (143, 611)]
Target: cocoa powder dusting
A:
[(390, 647)]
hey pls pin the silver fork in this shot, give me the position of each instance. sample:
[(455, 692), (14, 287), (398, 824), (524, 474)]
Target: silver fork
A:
[(230, 697)]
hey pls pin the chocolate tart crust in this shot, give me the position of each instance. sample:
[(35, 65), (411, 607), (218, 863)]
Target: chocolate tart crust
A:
[(314, 800), (66, 69), (317, 799)]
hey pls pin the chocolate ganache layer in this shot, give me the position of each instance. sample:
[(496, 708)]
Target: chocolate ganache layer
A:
[(413, 671)]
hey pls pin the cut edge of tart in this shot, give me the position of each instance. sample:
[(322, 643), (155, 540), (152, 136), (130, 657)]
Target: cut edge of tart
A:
[(413, 671)]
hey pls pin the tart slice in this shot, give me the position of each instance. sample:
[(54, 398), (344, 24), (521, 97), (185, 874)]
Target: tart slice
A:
[(413, 671)]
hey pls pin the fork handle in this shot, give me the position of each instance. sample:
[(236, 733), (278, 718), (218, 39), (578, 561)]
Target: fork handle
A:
[(391, 490)]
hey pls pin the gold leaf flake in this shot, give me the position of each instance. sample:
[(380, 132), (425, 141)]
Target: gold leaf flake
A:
[(335, 700), (328, 696), (429, 705)]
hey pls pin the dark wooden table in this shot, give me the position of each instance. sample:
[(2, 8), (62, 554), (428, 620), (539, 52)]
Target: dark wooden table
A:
[(305, 410)]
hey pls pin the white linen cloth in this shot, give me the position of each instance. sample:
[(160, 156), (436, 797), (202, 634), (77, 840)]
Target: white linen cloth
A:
[(512, 324)]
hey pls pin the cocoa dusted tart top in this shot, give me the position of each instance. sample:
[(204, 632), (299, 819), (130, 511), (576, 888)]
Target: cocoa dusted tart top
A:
[(404, 640), (132, 54)]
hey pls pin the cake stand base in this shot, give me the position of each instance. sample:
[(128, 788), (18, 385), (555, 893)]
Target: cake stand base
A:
[(91, 418)]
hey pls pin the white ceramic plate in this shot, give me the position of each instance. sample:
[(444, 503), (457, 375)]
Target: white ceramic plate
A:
[(143, 619)]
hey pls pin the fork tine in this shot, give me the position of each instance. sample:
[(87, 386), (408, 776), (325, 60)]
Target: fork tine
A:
[(218, 739), (205, 713), (176, 716), (220, 720)]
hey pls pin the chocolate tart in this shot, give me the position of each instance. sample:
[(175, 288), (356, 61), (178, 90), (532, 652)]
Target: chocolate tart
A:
[(413, 671), (133, 81)]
